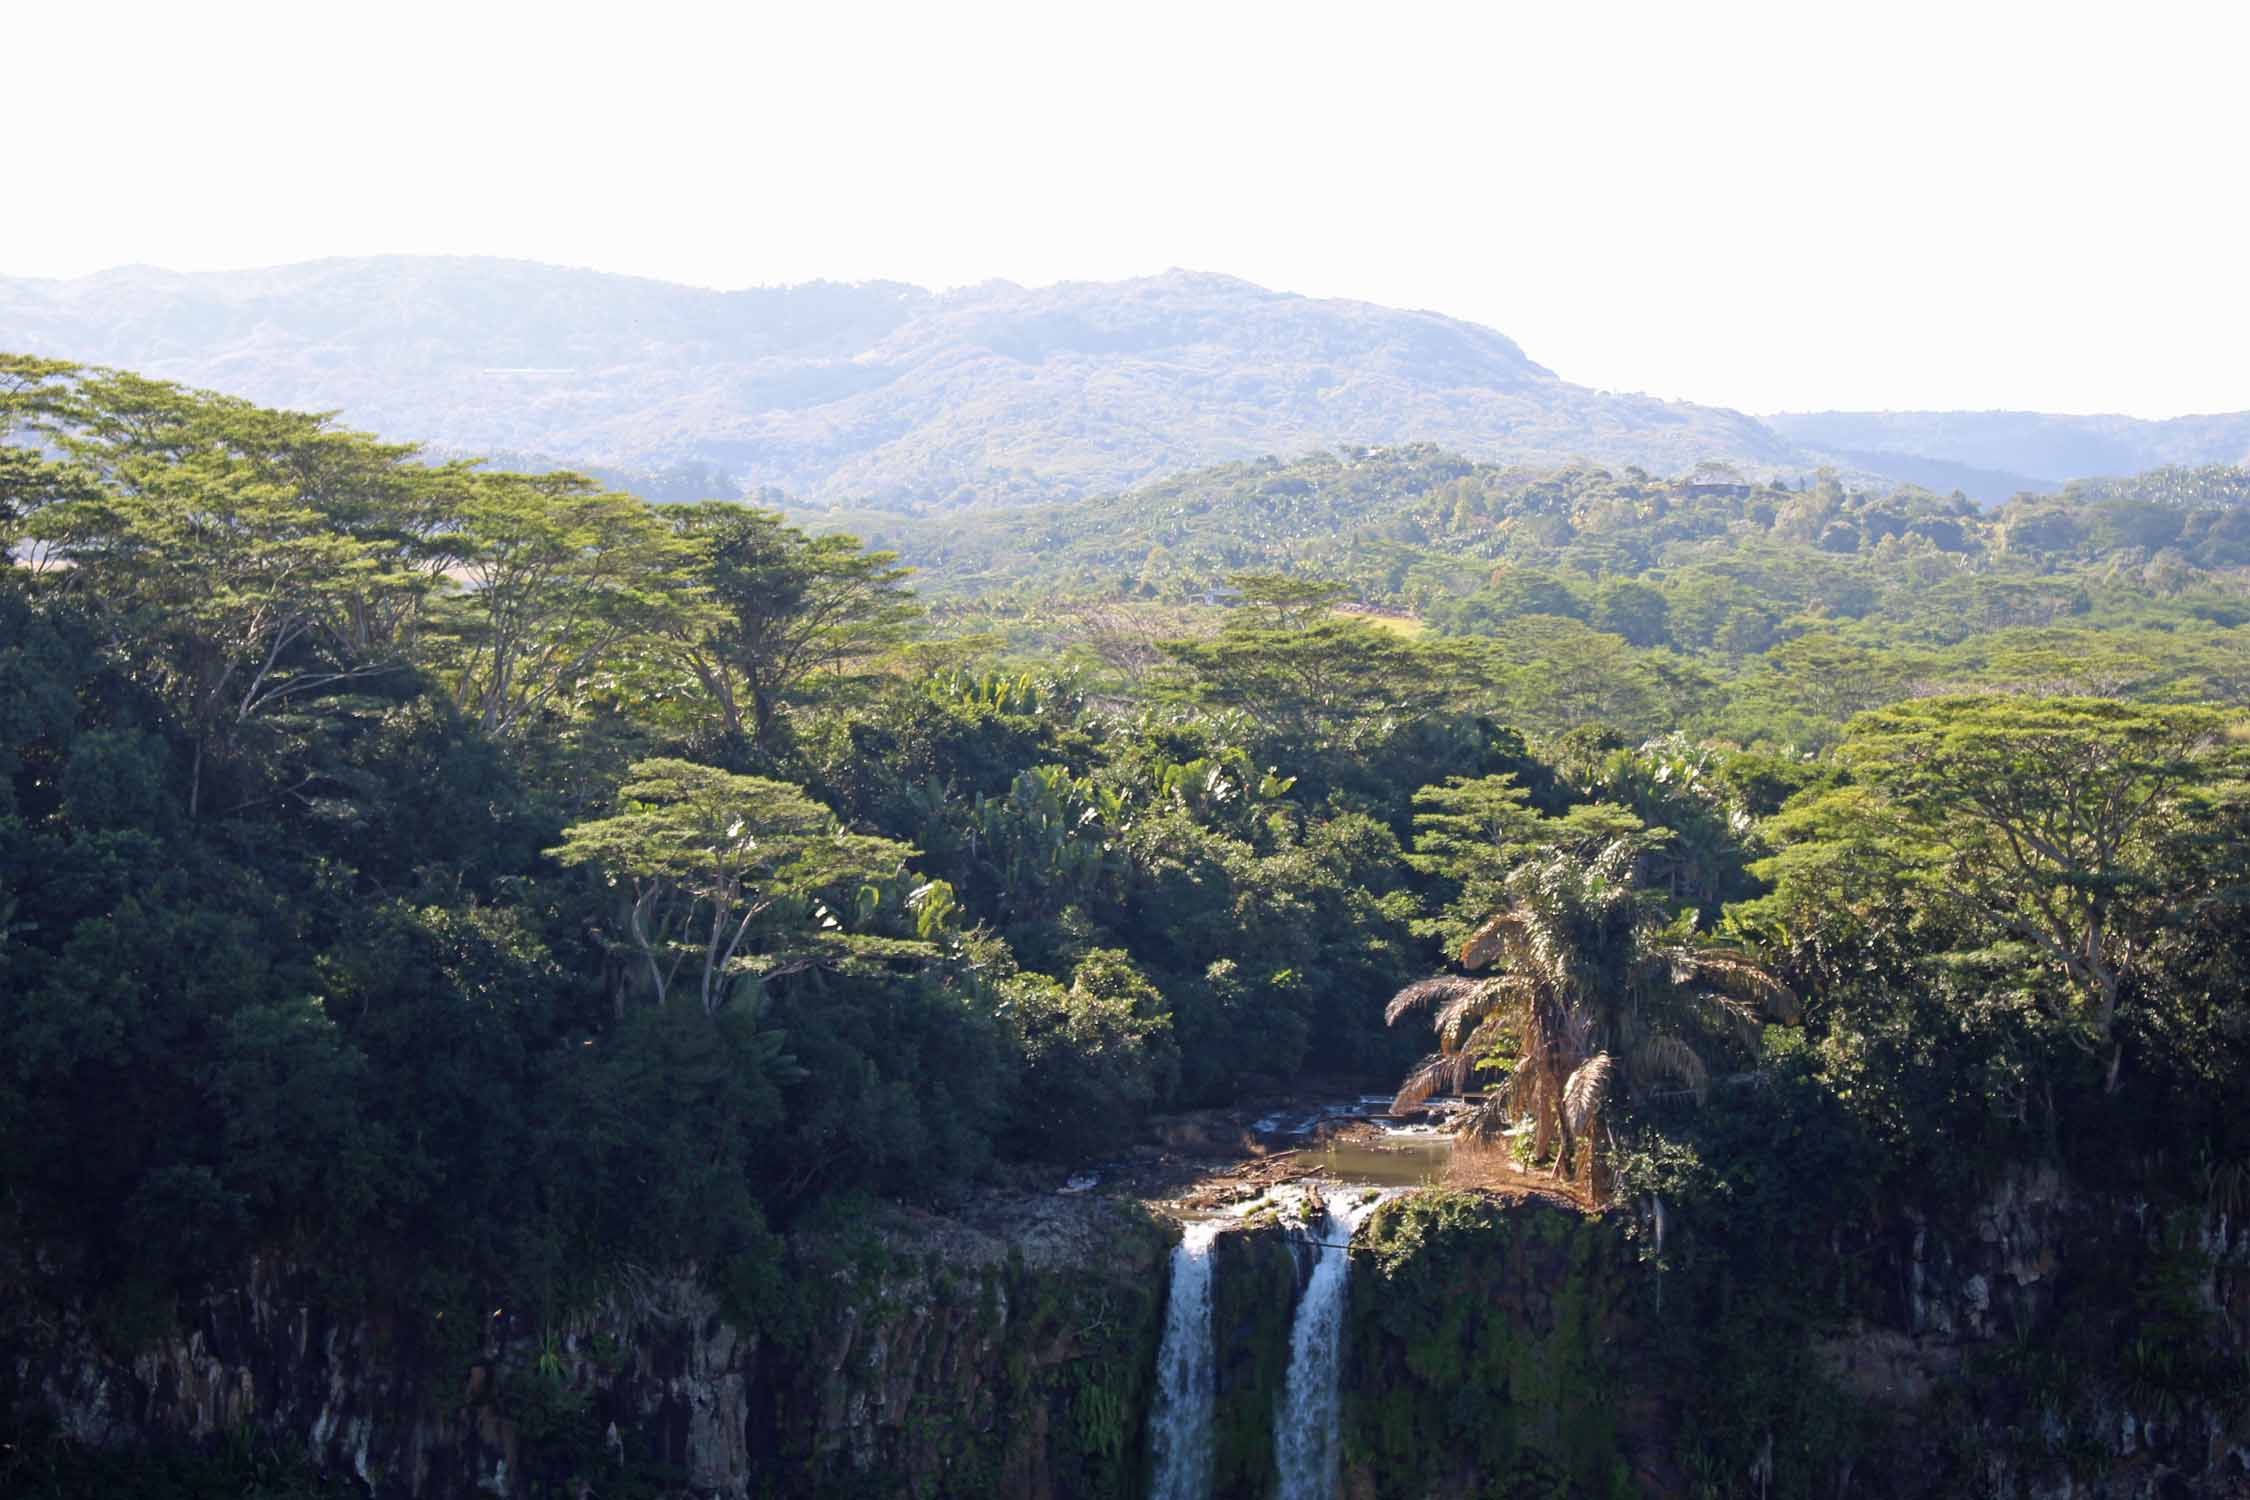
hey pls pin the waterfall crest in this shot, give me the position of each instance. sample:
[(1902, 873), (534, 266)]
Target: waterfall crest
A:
[(1305, 1438), (1186, 1376)]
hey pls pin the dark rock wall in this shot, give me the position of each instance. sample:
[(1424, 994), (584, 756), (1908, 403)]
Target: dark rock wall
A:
[(1012, 1357), (2044, 1347), (1485, 1351), (1256, 1279)]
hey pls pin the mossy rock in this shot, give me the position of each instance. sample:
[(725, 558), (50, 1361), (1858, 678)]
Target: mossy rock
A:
[(1255, 1279), (1483, 1350)]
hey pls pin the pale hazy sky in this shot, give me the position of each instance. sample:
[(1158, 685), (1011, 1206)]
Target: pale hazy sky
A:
[(1772, 207)]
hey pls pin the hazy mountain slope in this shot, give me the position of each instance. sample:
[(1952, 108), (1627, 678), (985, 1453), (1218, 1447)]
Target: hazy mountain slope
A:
[(1942, 475), (845, 392), (2043, 447)]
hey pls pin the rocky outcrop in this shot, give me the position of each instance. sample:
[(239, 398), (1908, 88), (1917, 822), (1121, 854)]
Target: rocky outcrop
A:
[(2054, 1344), (2045, 1345), (1483, 1354), (1009, 1352), (1256, 1279)]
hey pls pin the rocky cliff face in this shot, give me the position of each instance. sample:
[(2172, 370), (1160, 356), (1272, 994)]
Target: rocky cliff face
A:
[(1008, 1354), (2047, 1346), (2057, 1345), (1486, 1354)]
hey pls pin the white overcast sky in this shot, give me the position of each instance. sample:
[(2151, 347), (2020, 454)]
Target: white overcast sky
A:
[(1775, 207)]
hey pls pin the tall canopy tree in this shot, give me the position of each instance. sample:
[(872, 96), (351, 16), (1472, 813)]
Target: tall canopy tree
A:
[(2043, 821), (253, 559), (1327, 681), (559, 575), (29, 390), (789, 607), (724, 877)]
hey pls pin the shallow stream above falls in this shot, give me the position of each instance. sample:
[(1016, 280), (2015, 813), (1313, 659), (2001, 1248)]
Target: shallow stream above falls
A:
[(1216, 1163)]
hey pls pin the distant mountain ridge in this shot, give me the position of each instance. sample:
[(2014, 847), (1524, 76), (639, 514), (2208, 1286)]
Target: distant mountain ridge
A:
[(877, 392), (2037, 449), (889, 394)]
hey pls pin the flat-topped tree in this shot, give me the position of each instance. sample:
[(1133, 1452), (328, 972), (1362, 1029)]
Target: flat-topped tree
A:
[(2046, 821), (725, 877), (1308, 676), (559, 574), (33, 393), (248, 560)]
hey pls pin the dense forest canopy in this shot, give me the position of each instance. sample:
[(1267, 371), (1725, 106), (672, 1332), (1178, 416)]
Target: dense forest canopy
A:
[(480, 882)]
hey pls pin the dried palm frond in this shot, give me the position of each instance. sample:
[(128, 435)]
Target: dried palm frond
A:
[(1666, 1056), (1587, 1087), (1461, 1015), (1491, 1032), (1443, 990), (1534, 1093), (1741, 977), (1528, 1081), (1485, 944), (1490, 1121), (1438, 1073), (1517, 990)]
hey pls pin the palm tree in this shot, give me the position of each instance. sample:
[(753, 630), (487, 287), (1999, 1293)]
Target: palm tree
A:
[(1590, 1001)]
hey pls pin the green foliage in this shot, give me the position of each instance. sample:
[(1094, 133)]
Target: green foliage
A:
[(1329, 681), (1254, 1291), (2040, 822), (1593, 1004), (1096, 1055), (727, 876), (790, 609)]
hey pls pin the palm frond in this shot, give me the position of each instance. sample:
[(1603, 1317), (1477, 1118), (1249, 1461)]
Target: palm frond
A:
[(1489, 1121), (1485, 944), (1587, 1087), (1442, 990), (1666, 1056), (1517, 990), (1725, 1013), (1740, 977), (1490, 1033), (1460, 1015), (1433, 1074)]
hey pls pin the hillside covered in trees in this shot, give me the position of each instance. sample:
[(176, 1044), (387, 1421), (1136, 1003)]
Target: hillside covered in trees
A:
[(885, 394), (991, 394), (1408, 525), (484, 887)]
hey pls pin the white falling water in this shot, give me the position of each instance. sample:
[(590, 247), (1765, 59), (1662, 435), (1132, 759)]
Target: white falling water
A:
[(1305, 1437), (1186, 1376)]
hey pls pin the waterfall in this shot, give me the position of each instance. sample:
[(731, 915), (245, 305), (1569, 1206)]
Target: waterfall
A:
[(1186, 1376), (1305, 1437)]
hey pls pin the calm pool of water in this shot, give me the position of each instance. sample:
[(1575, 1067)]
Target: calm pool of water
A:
[(1391, 1159)]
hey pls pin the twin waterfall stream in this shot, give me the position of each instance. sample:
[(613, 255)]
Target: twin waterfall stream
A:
[(1187, 1371), (1305, 1437)]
